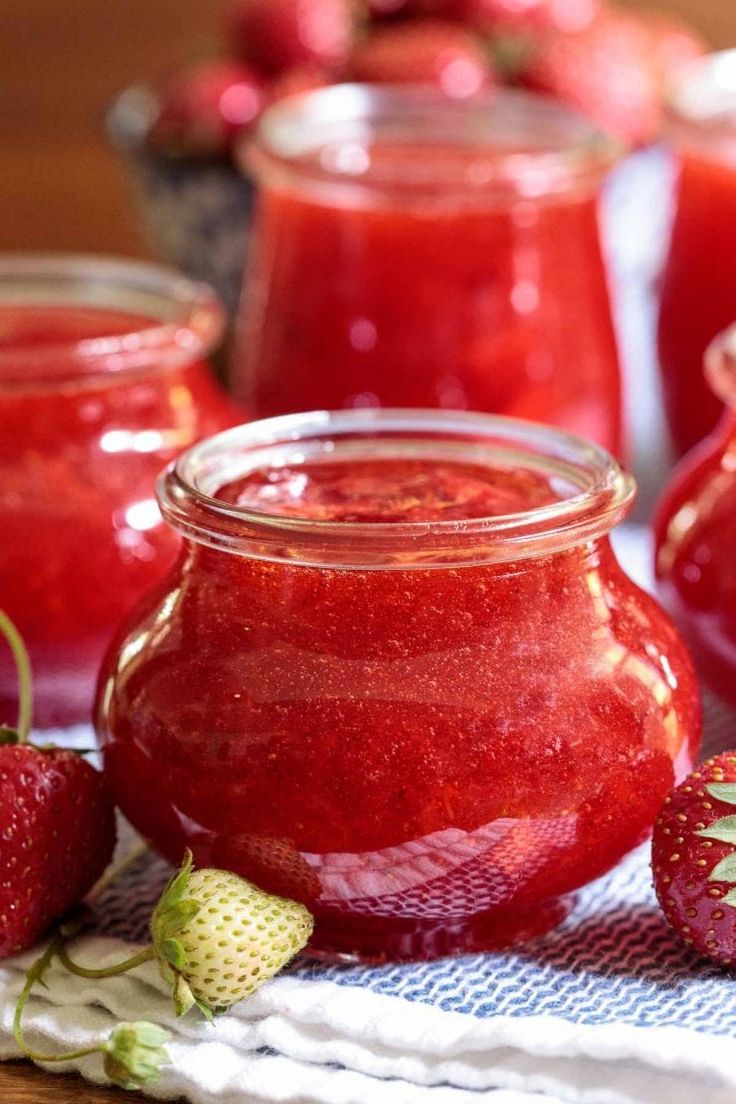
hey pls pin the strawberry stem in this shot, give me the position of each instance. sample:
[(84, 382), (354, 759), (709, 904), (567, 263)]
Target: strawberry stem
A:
[(36, 973), (25, 685), (146, 955)]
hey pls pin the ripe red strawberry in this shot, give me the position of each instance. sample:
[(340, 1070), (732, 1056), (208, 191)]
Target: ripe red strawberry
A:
[(302, 78), (694, 859), (568, 15), (615, 70), (276, 34), (57, 823), (57, 828), (205, 108), (425, 51)]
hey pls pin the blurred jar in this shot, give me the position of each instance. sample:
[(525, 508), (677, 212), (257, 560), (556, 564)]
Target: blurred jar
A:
[(696, 534), (103, 379), (698, 295), (411, 250)]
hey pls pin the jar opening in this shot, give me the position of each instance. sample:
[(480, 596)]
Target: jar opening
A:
[(73, 318), (720, 366), (578, 490), (701, 108), (411, 138)]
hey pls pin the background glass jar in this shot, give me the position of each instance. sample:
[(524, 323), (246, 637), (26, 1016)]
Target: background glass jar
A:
[(398, 674), (102, 380), (696, 534), (412, 250), (698, 291)]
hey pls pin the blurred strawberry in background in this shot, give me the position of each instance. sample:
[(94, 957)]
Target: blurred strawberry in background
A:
[(611, 63), (426, 51), (277, 34), (616, 69)]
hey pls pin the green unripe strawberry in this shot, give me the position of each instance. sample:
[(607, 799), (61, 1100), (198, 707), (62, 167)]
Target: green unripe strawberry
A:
[(219, 938)]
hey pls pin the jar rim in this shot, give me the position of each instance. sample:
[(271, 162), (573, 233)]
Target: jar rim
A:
[(325, 136), (186, 318), (720, 365), (187, 491), (701, 100)]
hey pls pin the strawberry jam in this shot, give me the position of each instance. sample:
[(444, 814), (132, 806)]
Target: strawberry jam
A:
[(698, 292), (418, 252), (398, 674), (102, 380), (696, 535)]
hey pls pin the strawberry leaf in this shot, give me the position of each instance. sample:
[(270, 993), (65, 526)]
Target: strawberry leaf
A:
[(729, 899), (173, 952), (723, 830), (723, 791), (174, 919), (725, 871), (177, 887), (205, 1009), (8, 735), (183, 996)]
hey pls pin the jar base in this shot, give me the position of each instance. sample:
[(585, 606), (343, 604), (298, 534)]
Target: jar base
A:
[(377, 940)]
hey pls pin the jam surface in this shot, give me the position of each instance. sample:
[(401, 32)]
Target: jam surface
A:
[(431, 758), (83, 538), (696, 555), (698, 295), (476, 304), (385, 491)]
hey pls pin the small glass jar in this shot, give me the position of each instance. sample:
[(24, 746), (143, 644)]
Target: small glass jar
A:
[(102, 380), (695, 531), (411, 250), (398, 673), (698, 291)]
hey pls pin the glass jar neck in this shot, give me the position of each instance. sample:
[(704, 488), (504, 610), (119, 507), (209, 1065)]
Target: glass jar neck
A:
[(69, 320), (591, 492), (412, 143)]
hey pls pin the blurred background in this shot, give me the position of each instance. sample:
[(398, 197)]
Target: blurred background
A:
[(60, 186)]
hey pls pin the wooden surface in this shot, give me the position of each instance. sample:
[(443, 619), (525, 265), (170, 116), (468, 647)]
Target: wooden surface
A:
[(24, 1084)]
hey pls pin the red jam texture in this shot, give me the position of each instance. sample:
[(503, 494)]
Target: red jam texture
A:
[(432, 758), (698, 294), (79, 453), (464, 303), (696, 555)]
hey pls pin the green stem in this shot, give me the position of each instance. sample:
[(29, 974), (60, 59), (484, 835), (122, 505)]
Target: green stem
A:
[(146, 955), (36, 972), (25, 686)]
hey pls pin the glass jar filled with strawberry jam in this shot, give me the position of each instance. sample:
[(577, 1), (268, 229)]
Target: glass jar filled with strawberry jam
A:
[(102, 380), (698, 293), (414, 250), (696, 534), (398, 673)]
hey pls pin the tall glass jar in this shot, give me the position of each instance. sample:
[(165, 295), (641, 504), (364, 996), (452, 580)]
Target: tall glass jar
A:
[(411, 250), (398, 674), (102, 380), (698, 291), (696, 534)]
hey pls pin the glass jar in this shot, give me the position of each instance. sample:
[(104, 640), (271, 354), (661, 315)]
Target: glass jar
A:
[(397, 673), (695, 531), (698, 292), (102, 380), (412, 250)]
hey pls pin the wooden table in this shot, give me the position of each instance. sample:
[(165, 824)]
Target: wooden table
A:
[(23, 1083)]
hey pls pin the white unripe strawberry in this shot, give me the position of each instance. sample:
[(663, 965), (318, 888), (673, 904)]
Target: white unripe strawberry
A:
[(219, 938)]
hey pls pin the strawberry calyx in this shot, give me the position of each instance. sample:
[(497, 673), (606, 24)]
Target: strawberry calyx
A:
[(723, 830), (172, 913)]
